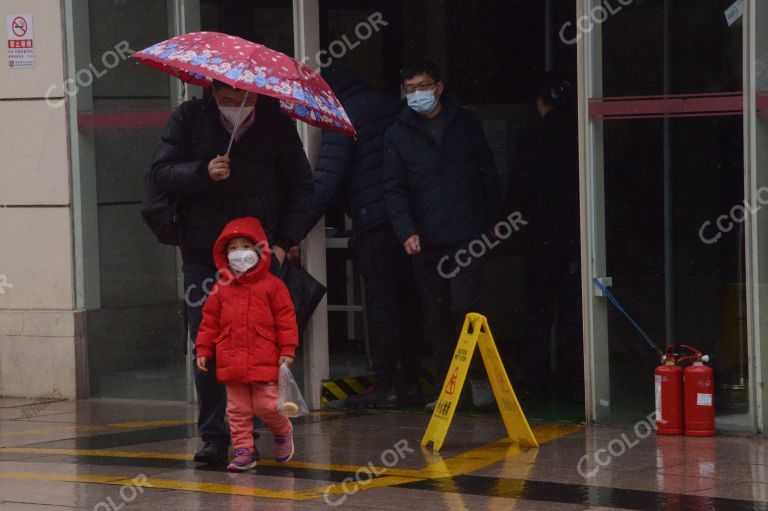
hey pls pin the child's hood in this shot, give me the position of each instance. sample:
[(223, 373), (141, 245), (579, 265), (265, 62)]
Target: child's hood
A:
[(251, 228)]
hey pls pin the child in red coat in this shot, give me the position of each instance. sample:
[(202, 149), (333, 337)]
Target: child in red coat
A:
[(250, 324)]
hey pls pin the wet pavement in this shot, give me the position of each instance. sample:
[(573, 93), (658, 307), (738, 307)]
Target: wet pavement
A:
[(110, 455)]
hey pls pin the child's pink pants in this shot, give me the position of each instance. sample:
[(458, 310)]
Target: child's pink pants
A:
[(244, 400)]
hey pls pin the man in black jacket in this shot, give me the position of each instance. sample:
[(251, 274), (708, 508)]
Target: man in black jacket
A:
[(352, 169), (548, 163), (442, 193), (265, 175)]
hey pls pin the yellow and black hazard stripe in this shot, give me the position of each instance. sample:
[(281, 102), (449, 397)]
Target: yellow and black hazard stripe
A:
[(340, 389)]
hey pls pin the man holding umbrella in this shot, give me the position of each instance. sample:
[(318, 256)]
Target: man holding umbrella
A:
[(266, 175), (234, 154)]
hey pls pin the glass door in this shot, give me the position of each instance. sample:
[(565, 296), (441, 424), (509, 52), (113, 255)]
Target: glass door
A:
[(664, 175), (135, 335)]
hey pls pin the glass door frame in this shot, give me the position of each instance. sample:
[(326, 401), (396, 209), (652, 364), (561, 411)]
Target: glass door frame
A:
[(592, 211), (593, 221), (306, 34), (184, 16), (755, 33)]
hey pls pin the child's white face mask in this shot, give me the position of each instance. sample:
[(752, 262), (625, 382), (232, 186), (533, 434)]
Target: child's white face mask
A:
[(242, 260)]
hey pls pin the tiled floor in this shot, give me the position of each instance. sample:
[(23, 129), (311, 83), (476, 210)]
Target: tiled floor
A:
[(109, 455)]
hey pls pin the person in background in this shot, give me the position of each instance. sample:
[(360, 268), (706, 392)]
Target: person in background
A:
[(442, 192), (266, 175), (351, 169), (548, 163)]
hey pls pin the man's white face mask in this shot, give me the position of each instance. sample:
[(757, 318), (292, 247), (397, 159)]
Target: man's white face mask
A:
[(230, 113)]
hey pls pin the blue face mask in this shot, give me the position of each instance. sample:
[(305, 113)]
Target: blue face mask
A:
[(422, 102)]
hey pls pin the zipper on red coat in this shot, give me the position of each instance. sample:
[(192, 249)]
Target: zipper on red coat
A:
[(249, 329)]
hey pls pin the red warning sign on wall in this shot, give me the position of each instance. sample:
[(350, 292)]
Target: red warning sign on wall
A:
[(21, 42)]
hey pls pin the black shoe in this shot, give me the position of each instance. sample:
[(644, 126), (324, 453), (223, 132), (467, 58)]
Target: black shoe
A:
[(213, 453), (376, 399)]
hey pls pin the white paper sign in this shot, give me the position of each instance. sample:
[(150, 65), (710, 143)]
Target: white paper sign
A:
[(704, 399), (734, 12), (21, 45)]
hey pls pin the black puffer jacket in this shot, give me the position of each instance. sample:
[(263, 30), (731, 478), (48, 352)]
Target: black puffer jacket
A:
[(350, 166), (446, 194), (270, 176), (548, 166)]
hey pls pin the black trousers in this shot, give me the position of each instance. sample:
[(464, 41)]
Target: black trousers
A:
[(392, 305), (553, 291), (448, 292), (211, 395)]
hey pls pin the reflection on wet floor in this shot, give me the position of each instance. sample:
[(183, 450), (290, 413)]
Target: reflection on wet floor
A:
[(107, 455)]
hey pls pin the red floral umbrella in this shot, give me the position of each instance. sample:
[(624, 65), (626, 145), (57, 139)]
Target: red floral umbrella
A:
[(200, 57)]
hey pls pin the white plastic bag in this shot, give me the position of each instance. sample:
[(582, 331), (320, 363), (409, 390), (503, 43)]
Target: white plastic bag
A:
[(290, 402)]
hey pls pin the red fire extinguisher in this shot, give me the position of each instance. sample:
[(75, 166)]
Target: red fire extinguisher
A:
[(669, 395), (699, 386)]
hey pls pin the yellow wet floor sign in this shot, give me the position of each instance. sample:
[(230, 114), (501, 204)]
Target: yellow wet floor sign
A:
[(476, 332)]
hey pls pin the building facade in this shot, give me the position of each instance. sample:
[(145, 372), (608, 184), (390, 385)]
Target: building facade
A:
[(672, 103)]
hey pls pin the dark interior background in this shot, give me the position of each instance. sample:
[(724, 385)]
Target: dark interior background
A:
[(491, 54)]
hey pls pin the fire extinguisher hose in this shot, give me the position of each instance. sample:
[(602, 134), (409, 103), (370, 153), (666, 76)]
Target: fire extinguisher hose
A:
[(621, 309)]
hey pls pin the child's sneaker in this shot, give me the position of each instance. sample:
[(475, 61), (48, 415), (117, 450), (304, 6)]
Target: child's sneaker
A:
[(284, 447), (243, 460)]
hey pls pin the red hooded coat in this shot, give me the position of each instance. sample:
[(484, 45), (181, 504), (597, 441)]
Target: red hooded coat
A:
[(248, 320)]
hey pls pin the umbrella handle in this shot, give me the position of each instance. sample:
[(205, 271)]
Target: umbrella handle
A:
[(237, 123)]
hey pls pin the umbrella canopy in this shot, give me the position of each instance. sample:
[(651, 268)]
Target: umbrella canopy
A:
[(200, 57)]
